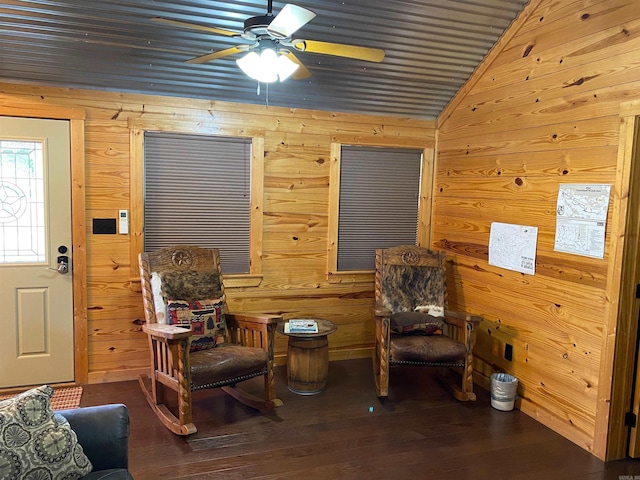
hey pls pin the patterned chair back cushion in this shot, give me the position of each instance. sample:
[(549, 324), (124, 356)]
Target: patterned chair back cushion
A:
[(187, 290)]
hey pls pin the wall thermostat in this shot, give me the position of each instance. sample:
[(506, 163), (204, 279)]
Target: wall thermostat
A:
[(123, 218)]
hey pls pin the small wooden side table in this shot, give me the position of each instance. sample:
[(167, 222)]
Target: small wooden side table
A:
[(308, 358)]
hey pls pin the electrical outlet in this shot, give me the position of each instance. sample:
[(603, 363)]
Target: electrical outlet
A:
[(508, 351)]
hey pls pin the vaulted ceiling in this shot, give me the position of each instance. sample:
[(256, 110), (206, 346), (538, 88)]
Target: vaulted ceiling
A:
[(431, 46)]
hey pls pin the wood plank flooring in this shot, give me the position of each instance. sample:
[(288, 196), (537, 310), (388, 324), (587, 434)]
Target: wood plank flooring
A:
[(419, 432)]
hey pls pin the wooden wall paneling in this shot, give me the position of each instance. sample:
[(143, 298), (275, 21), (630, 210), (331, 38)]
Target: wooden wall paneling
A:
[(585, 38), (80, 262), (341, 296), (599, 132), (295, 187), (105, 358), (114, 106), (537, 98), (471, 229), (505, 188), (374, 140), (257, 205), (571, 93), (334, 205), (480, 71), (136, 205), (306, 222), (542, 214), (563, 163), (425, 209), (595, 41), (537, 396), (545, 111), (540, 302), (298, 241), (549, 11)]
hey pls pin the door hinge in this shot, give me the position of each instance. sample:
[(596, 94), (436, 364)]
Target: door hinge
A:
[(630, 419), (638, 290)]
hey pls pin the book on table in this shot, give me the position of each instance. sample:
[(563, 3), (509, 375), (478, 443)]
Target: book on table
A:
[(301, 325)]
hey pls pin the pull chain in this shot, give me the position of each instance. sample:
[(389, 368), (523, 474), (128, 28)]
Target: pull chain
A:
[(267, 93)]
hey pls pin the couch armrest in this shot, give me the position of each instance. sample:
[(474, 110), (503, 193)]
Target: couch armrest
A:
[(103, 432)]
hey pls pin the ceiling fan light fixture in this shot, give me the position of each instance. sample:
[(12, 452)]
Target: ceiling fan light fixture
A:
[(268, 66), (286, 67)]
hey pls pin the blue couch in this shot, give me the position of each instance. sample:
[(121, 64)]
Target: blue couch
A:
[(103, 432)]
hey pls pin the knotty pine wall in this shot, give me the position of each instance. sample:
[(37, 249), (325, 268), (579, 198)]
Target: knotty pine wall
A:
[(543, 109), (295, 222)]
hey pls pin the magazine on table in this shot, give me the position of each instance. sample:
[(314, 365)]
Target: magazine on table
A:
[(301, 325)]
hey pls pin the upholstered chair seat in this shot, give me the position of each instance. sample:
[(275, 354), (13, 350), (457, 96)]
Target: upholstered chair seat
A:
[(439, 350), (226, 363)]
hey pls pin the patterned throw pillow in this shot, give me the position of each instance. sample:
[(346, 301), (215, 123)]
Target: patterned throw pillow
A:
[(417, 323), (205, 318), (35, 442)]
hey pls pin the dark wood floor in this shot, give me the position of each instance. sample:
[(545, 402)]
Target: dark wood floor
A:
[(420, 432)]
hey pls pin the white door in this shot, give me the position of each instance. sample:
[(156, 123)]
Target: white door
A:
[(36, 296)]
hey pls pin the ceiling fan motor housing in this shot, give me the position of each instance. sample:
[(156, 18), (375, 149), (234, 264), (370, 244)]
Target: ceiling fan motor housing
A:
[(258, 25)]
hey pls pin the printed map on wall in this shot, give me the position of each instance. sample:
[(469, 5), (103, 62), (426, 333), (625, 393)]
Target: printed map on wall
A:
[(513, 247), (581, 219)]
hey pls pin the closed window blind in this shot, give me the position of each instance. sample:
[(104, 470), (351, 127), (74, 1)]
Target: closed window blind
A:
[(379, 196), (197, 192)]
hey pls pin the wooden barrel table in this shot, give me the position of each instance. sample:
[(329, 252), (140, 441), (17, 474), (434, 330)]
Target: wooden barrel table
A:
[(308, 358)]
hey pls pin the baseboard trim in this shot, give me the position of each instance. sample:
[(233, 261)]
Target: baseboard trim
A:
[(109, 376)]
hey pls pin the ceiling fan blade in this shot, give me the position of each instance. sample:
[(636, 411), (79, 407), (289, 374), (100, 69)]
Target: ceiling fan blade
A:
[(178, 23), (290, 19), (219, 54), (340, 50), (302, 72)]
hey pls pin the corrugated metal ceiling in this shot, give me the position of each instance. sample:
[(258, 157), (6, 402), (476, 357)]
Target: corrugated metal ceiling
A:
[(432, 47)]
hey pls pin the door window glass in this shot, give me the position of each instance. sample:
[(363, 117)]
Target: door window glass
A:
[(22, 196)]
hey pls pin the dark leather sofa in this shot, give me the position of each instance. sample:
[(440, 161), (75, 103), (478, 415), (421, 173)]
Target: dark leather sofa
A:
[(103, 432)]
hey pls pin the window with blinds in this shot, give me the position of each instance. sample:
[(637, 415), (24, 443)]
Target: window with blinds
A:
[(379, 200), (197, 191)]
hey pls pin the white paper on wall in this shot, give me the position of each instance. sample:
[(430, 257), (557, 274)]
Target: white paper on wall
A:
[(513, 247), (581, 219)]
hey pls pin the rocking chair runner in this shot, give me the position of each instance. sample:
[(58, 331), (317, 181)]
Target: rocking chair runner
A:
[(413, 326), (185, 283)]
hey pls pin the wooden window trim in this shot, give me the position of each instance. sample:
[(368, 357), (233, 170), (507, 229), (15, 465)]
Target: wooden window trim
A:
[(136, 230), (424, 212)]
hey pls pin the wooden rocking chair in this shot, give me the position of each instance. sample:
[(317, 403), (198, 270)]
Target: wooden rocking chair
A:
[(413, 326), (195, 343)]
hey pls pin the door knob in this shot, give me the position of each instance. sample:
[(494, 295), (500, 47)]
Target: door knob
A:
[(63, 264)]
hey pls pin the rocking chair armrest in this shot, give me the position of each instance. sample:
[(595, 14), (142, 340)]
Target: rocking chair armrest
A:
[(264, 319), (468, 325), (381, 312), (168, 332), (461, 320)]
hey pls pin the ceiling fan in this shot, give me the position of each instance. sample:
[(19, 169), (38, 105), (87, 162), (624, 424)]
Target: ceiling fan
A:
[(269, 56)]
